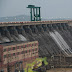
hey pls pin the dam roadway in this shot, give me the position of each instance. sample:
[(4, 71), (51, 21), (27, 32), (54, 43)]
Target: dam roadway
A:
[(35, 23)]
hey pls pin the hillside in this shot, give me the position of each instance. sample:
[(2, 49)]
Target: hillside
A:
[(15, 18), (25, 18)]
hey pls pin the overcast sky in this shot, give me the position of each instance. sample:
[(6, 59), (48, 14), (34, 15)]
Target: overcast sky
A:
[(49, 8)]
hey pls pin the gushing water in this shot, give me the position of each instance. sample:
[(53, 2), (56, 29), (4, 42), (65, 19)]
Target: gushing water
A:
[(22, 38), (15, 38), (5, 39), (61, 42)]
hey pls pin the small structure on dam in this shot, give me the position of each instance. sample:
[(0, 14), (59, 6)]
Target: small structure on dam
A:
[(35, 13)]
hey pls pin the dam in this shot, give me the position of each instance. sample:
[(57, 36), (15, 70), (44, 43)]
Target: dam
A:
[(22, 43), (54, 37)]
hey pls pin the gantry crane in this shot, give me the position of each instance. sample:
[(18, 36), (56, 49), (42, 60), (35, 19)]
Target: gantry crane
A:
[(35, 13)]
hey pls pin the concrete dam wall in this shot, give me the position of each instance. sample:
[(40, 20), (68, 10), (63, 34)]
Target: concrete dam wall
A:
[(54, 37), (52, 40)]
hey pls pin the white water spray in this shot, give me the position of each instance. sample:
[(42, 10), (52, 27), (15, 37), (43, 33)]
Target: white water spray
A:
[(22, 38), (5, 39), (60, 42)]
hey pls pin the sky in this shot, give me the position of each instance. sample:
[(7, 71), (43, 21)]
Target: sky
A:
[(49, 8)]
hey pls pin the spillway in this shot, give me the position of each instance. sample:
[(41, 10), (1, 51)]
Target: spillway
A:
[(54, 37)]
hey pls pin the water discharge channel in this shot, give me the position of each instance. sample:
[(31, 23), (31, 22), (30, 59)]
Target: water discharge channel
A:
[(53, 38)]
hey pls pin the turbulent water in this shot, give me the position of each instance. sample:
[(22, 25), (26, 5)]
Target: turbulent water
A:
[(61, 42), (22, 38), (52, 42), (5, 39)]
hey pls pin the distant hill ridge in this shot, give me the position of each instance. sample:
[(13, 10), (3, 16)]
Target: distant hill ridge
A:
[(24, 18), (15, 18)]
